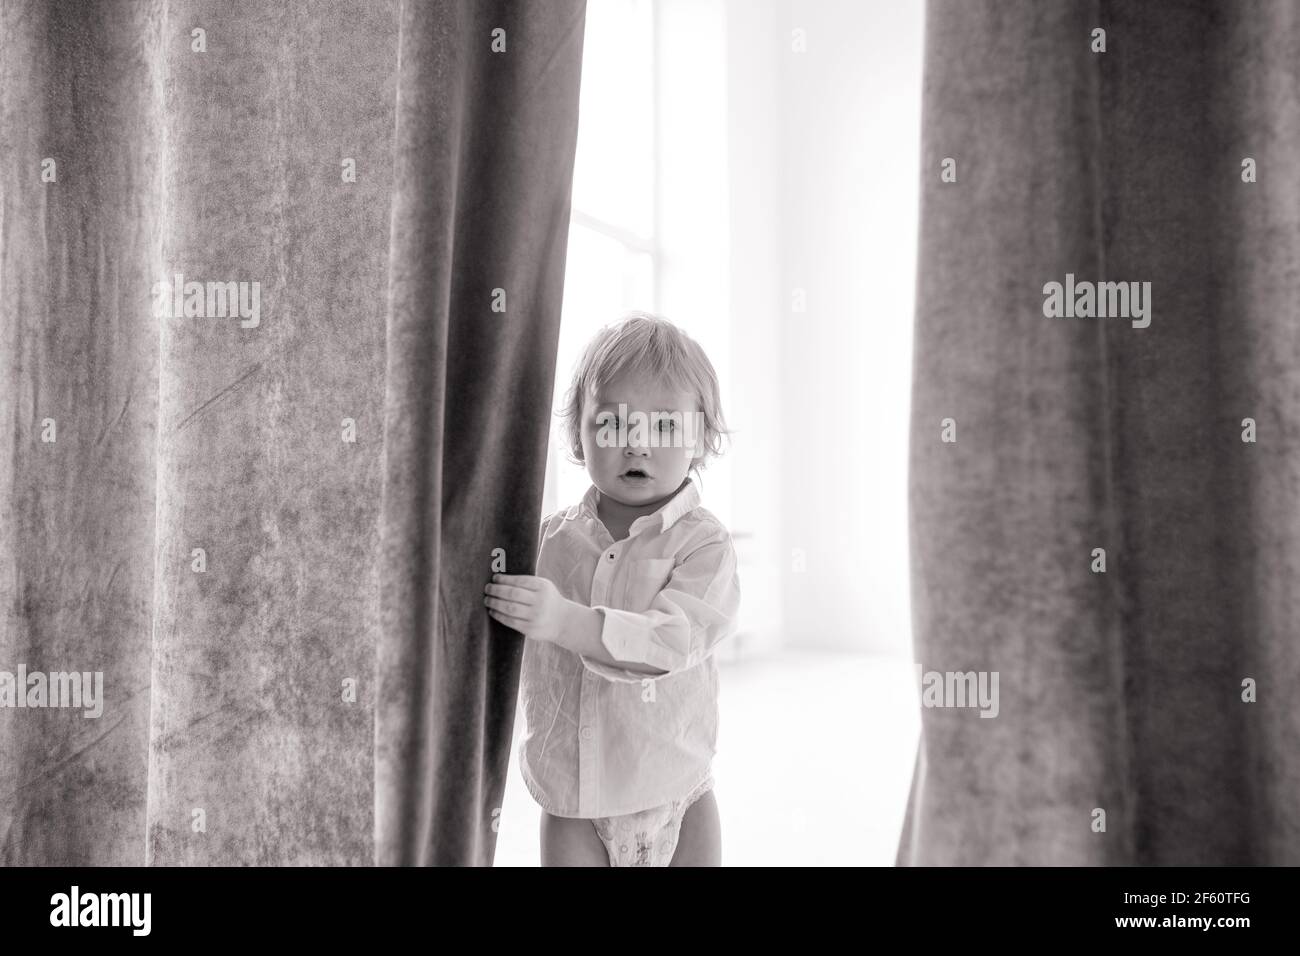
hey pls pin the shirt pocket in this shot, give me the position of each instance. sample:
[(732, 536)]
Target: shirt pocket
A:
[(646, 577)]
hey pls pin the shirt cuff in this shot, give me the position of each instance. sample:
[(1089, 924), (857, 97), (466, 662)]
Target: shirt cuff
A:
[(625, 636)]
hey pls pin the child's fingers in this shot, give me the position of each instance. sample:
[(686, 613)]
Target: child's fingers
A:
[(510, 608), (517, 623), (530, 581), (521, 595)]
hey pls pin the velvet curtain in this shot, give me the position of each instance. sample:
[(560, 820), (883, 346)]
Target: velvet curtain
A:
[(1160, 690), (268, 530)]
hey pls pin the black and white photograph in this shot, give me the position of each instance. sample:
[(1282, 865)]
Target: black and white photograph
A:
[(651, 433)]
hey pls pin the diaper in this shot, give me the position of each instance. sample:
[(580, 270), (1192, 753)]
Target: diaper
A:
[(648, 837)]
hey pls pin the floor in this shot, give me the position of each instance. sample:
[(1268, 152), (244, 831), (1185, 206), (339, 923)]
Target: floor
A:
[(814, 762)]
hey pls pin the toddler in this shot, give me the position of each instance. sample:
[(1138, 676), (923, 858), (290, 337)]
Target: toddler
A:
[(635, 586)]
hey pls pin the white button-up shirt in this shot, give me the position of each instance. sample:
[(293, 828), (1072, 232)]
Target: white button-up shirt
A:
[(601, 740)]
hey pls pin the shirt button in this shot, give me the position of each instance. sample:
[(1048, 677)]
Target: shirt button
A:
[(587, 733), (610, 556)]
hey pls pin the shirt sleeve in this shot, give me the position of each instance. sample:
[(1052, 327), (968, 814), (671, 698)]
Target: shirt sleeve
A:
[(541, 539), (695, 611)]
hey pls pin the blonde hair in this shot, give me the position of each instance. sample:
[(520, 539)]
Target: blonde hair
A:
[(650, 344)]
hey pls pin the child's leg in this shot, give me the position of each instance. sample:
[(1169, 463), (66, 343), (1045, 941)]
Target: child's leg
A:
[(571, 842), (700, 840)]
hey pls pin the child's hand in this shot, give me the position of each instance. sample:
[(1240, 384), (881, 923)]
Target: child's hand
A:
[(530, 604)]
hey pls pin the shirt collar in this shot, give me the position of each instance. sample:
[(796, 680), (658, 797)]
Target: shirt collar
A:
[(683, 503)]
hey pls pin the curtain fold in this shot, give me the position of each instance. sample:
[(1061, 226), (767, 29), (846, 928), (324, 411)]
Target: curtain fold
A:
[(484, 167), (78, 367), (1124, 690), (198, 503)]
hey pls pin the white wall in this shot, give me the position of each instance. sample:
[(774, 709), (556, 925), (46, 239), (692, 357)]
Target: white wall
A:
[(754, 121), (825, 147)]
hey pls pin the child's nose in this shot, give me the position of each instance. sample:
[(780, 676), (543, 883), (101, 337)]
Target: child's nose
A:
[(637, 451)]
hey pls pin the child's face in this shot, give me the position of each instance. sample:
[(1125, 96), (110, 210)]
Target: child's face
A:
[(634, 471)]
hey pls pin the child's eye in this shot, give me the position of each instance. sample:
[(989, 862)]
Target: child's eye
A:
[(668, 422), (610, 420)]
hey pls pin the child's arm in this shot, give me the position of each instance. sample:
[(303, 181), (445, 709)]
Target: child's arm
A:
[(583, 637), (694, 612), (534, 607)]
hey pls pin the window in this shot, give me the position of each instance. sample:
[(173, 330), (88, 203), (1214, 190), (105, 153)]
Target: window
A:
[(649, 223), (613, 251)]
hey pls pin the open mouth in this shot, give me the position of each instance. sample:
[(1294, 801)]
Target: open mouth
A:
[(635, 473)]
